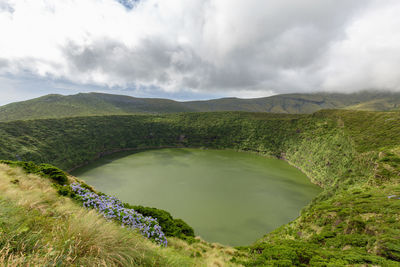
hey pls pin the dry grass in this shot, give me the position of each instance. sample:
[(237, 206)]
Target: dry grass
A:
[(58, 231), (214, 254)]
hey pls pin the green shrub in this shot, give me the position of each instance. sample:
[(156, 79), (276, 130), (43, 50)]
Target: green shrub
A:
[(54, 173), (169, 225), (391, 249), (45, 170), (184, 227)]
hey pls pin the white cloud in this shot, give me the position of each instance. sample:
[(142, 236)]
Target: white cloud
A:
[(238, 48), (369, 55)]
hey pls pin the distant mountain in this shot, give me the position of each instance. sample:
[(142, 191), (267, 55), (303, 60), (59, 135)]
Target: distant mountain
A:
[(304, 103), (57, 106), (90, 104)]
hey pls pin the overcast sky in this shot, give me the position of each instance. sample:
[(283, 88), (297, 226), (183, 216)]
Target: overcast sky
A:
[(197, 49)]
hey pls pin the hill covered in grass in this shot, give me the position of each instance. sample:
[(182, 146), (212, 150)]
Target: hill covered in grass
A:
[(353, 155), (41, 227), (90, 104)]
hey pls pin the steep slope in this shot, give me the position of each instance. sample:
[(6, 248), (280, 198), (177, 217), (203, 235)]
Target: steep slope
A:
[(355, 219), (40, 227), (58, 106)]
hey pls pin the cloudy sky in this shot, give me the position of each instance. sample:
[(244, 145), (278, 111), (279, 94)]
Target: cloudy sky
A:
[(197, 49)]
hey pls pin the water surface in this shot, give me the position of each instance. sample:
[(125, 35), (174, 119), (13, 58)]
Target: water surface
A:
[(228, 197)]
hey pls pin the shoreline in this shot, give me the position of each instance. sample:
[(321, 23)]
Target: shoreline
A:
[(115, 151)]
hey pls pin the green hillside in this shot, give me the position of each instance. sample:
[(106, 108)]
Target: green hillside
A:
[(58, 106), (40, 227), (353, 155)]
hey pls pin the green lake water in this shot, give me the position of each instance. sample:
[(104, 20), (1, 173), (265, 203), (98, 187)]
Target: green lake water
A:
[(229, 197)]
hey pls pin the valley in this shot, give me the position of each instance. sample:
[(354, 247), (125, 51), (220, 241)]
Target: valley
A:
[(352, 155)]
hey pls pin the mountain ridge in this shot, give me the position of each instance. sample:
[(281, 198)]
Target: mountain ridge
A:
[(92, 104)]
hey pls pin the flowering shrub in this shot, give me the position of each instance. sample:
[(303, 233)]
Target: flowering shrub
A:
[(112, 208)]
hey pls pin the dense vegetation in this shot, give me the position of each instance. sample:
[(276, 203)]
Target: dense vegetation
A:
[(169, 225), (353, 155), (56, 106)]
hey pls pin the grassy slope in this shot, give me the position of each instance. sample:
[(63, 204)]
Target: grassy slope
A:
[(57, 106), (353, 221), (69, 142), (354, 155), (40, 227), (44, 227)]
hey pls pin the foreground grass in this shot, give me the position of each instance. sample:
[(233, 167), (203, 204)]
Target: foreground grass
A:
[(38, 227)]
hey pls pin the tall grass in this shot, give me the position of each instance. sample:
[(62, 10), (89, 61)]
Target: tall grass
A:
[(39, 227)]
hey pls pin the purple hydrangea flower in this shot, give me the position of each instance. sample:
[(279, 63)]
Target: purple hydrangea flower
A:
[(113, 209)]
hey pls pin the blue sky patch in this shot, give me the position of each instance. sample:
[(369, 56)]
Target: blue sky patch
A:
[(128, 3)]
